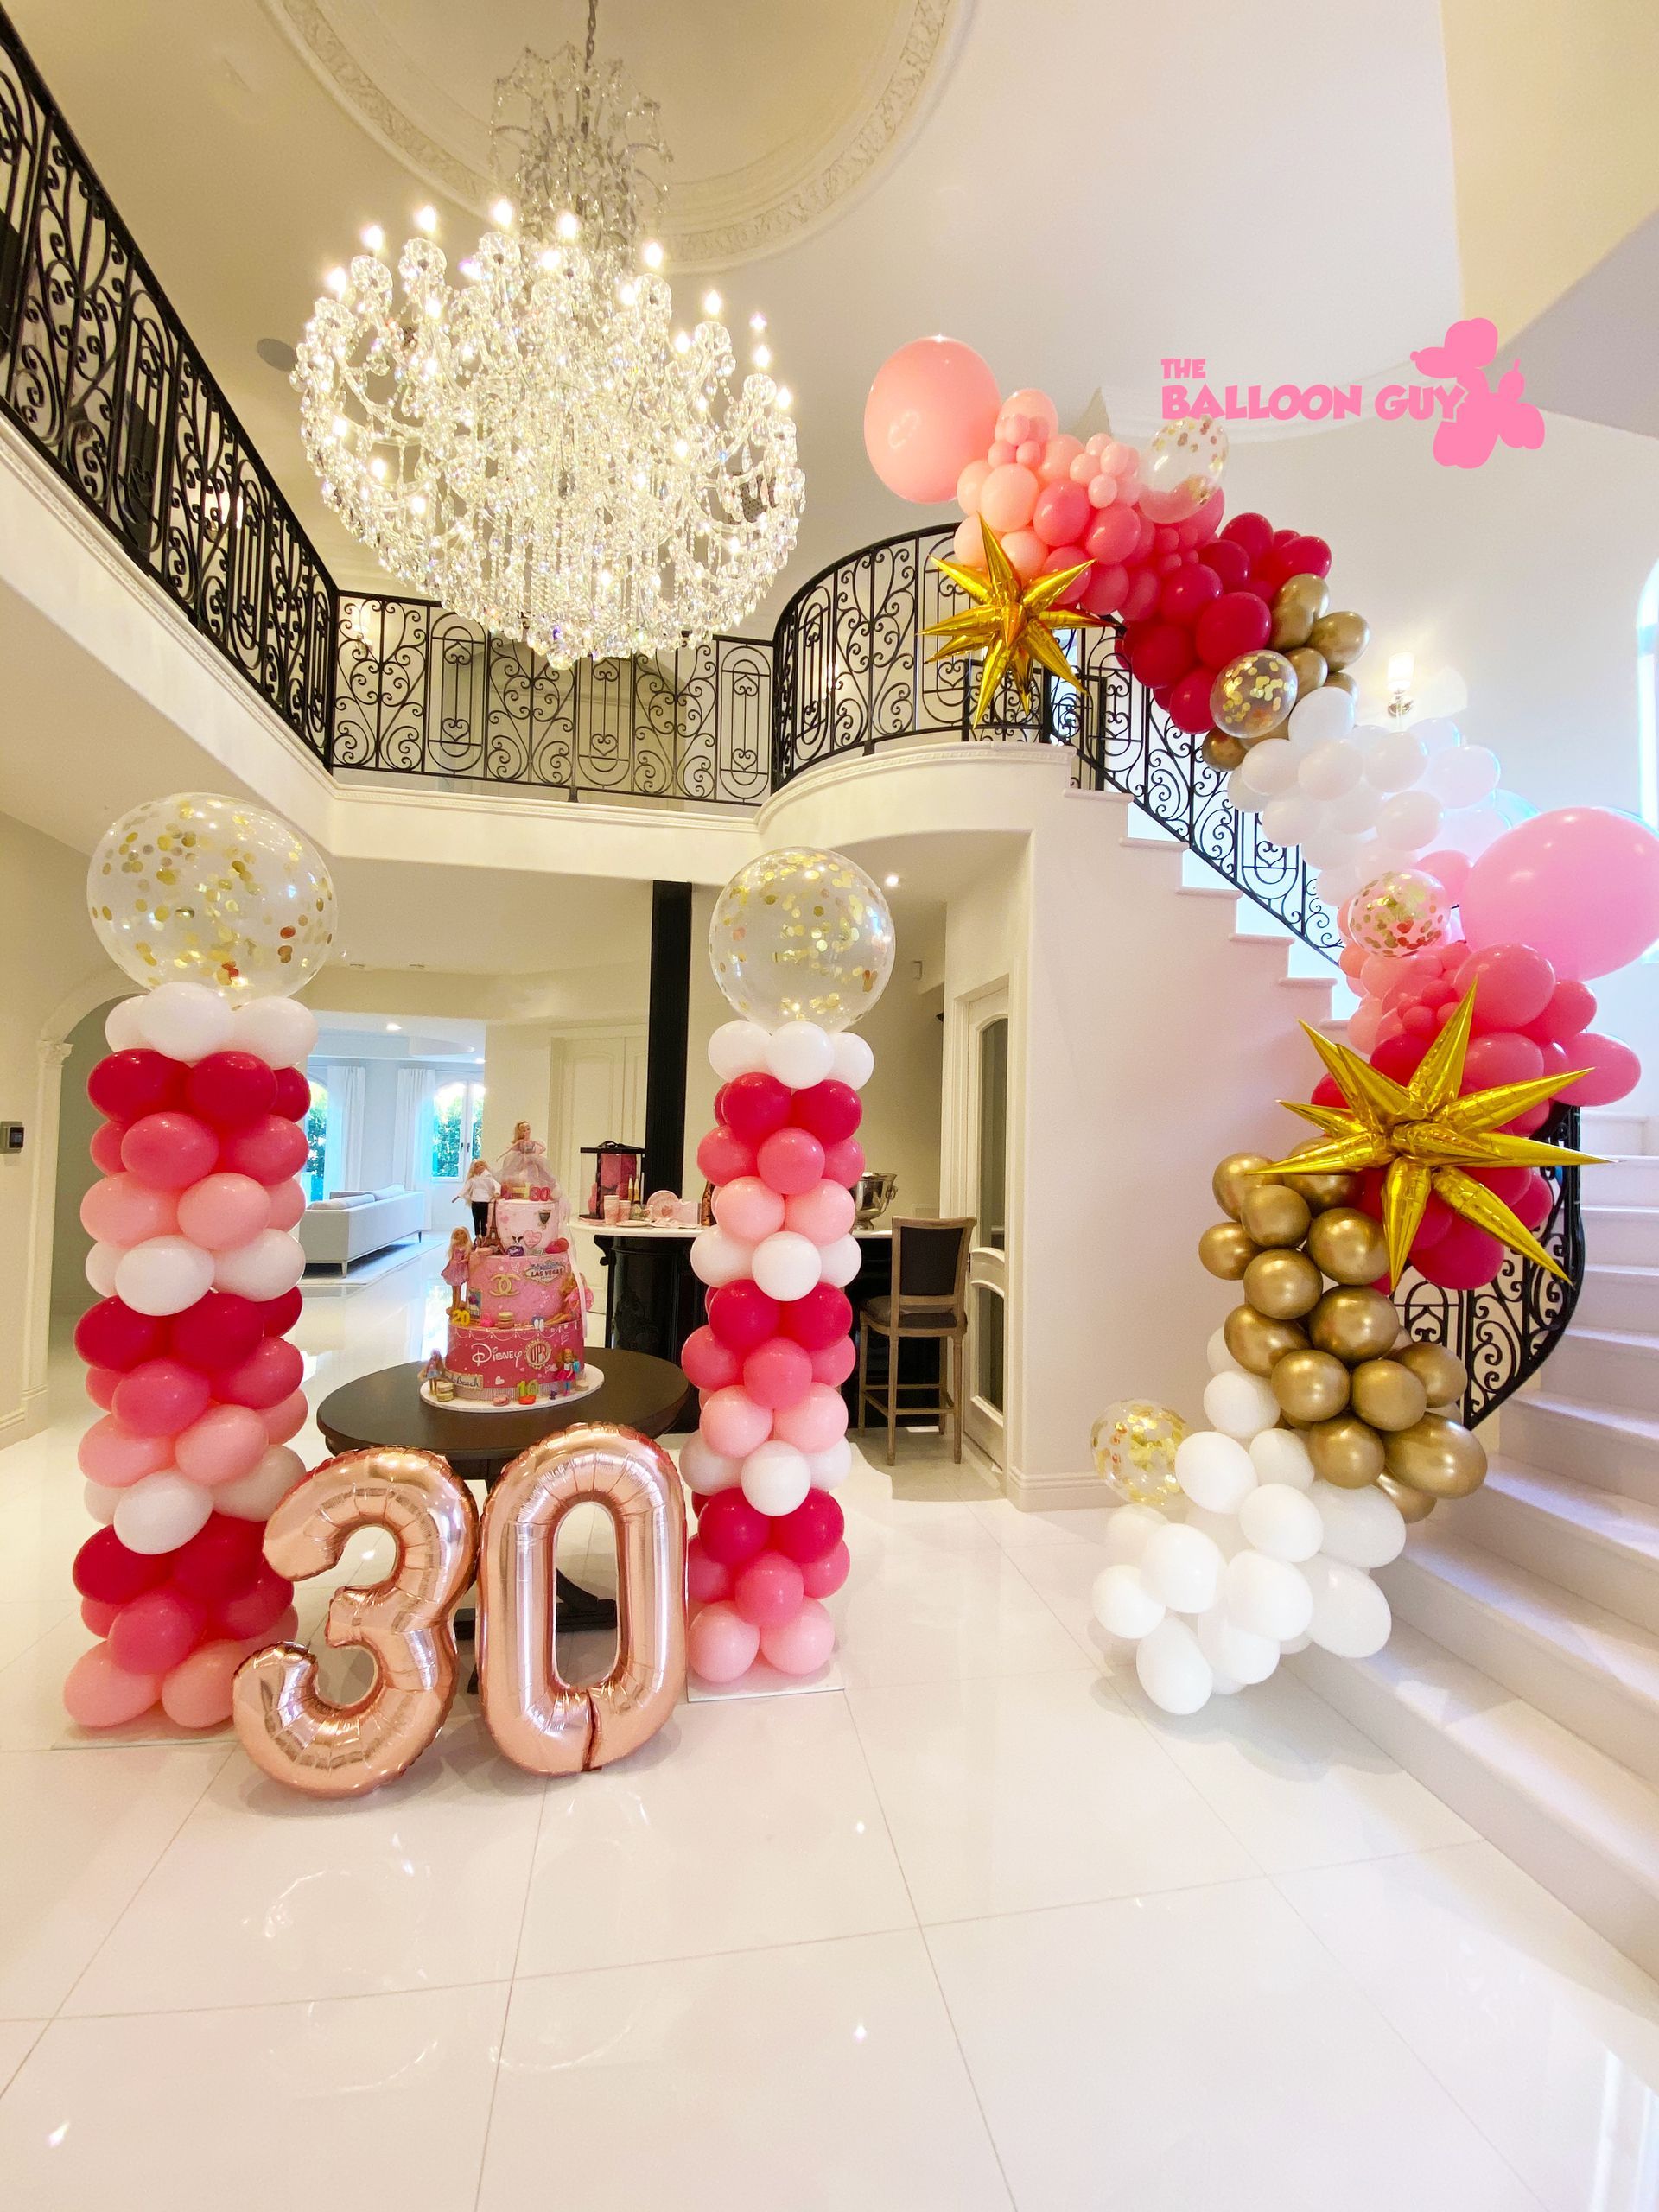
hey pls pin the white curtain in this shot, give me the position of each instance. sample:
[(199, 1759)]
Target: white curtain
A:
[(411, 1126), (346, 1093)]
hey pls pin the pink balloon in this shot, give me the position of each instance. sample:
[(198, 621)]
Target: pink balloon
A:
[(791, 1160), (156, 1630), (97, 1693), (287, 1203), (833, 1362), (105, 1147), (1026, 553), (1614, 1070), (824, 1576), (708, 1364), (1580, 885), (706, 1579), (721, 1158), (1532, 1205), (268, 1375), (733, 1424), (196, 1693), (968, 546), (768, 1591), (1007, 498), (749, 1208), (1449, 869), (844, 1162), (1571, 1007), (968, 486), (778, 1373), (159, 1397), (112, 1453), (222, 1211), (1061, 514), (1042, 417), (101, 1385), (720, 1644), (1501, 1056), (1061, 457), (284, 1420), (170, 1149), (931, 409), (225, 1444), (1512, 983), (803, 1645), (1113, 535), (824, 1213), (270, 1149), (1363, 1024), (818, 1420), (123, 1210)]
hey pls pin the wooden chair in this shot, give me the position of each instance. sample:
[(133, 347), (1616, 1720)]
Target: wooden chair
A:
[(929, 1299)]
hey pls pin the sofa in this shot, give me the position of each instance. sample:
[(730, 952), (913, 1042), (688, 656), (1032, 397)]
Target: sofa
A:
[(350, 1226)]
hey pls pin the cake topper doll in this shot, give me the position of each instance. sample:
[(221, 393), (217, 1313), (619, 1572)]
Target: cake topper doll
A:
[(454, 1266), (480, 1190), (523, 1166)]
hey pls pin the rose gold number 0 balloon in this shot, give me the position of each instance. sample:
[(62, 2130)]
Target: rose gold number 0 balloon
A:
[(287, 1728), (535, 1717)]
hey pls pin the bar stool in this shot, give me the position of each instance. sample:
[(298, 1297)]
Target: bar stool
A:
[(929, 1299)]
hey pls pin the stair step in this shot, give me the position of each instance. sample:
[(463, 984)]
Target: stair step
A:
[(1577, 1821), (1600, 1546), (1623, 1179), (1593, 1444), (1615, 1132), (1619, 1298), (1596, 1674), (1621, 1235), (1610, 1368)]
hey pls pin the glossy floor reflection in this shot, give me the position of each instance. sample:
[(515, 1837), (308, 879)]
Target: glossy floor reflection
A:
[(964, 1924)]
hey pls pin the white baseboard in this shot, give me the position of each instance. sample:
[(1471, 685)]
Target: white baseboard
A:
[(25, 1420), (1054, 1493)]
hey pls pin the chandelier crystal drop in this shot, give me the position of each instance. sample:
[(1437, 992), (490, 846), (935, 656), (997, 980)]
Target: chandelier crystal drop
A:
[(536, 446)]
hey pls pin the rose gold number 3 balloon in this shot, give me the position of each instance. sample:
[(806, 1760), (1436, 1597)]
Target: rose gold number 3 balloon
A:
[(535, 1716), (298, 1737)]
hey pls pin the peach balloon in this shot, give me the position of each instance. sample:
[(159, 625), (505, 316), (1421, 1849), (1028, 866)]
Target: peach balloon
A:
[(824, 1213), (196, 1693), (1042, 416), (835, 1361), (1061, 457), (968, 546), (802, 1645), (112, 1453), (287, 1202), (97, 1615), (97, 1693), (824, 1576), (222, 1211), (968, 486), (1027, 553), (817, 1421), (120, 1210), (748, 1209), (1007, 498), (932, 408), (285, 1419), (225, 1444), (720, 1644), (733, 1424)]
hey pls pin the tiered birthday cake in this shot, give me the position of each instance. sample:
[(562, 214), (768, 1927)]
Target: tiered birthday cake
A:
[(515, 1327)]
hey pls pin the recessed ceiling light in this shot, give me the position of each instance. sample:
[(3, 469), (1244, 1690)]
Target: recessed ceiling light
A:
[(392, 1026), (892, 883)]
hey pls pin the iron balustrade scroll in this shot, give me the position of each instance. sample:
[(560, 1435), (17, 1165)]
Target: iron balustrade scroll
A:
[(421, 692), (98, 374)]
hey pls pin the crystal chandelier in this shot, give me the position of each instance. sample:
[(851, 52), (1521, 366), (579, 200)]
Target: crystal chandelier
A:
[(538, 447)]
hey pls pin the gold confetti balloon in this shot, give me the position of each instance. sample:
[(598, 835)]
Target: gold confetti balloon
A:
[(1253, 693), (1404, 911), (1135, 1443), (800, 935), (200, 889), (1181, 467)]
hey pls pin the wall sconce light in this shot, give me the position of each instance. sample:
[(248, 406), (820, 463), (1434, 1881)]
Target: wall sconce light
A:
[(1402, 669)]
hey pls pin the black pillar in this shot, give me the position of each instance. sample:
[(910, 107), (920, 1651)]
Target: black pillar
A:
[(665, 1039)]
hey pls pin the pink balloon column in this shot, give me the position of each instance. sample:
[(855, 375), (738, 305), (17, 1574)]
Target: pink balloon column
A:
[(769, 1363), (196, 1267)]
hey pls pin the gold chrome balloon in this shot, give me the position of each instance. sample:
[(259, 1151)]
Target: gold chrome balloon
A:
[(1346, 1451), (1135, 1443), (1275, 1217), (1341, 637), (1414, 1504), (1348, 1245), (1312, 669), (537, 1719), (1438, 1456), (1355, 1322), (1323, 1190), (1226, 1250), (1253, 693), (1387, 1395), (1310, 1385), (1256, 1343), (1220, 751), (286, 1727), (1283, 1285), (1235, 1175), (1342, 679), (1297, 606), (1442, 1375)]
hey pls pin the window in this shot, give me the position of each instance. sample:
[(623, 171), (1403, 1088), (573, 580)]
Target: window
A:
[(316, 1139), (457, 1128)]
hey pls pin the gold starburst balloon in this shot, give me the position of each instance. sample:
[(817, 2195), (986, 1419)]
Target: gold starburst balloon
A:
[(1426, 1137), (1011, 623)]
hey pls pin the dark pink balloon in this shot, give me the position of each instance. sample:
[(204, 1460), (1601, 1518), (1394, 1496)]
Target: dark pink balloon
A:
[(157, 1629), (721, 1158), (1062, 513), (778, 1373), (1614, 1070), (1189, 702), (125, 1085), (1464, 1259), (110, 1334), (170, 1149), (1184, 596), (815, 1528), (293, 1097), (790, 1161), (258, 1608), (107, 1572), (752, 1106), (1111, 537), (277, 1315), (162, 1396), (832, 1111), (818, 1319), (1162, 653), (1531, 1207), (742, 1316), (731, 1531), (1501, 1056), (843, 1163), (833, 1362), (228, 1090), (220, 1559), (1230, 563), (1512, 985), (105, 1147), (270, 1372), (708, 1364), (1572, 1009), (270, 1149)]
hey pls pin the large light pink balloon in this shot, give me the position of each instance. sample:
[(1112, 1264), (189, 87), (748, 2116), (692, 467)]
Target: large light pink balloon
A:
[(122, 1210), (800, 1646), (1613, 1069), (748, 1209), (112, 1453), (221, 1211), (285, 1419), (720, 1644), (931, 409), (1579, 885), (225, 1444), (287, 1202), (196, 1693), (824, 1213), (733, 1424), (815, 1422), (99, 1694)]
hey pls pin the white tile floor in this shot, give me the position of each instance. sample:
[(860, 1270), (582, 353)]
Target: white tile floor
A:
[(967, 1924)]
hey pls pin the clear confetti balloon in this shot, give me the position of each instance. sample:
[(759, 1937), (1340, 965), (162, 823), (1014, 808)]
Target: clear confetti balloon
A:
[(1403, 912), (196, 888), (1253, 695), (1181, 467), (801, 936), (1135, 1443)]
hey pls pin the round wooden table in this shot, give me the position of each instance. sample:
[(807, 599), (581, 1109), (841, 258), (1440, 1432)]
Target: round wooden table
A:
[(640, 1392)]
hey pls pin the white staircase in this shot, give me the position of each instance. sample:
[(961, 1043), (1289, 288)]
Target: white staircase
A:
[(1521, 1682)]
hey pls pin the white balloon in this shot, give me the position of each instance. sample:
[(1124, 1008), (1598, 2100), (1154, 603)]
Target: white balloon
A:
[(1279, 1455), (1330, 768), (1350, 1615), (1223, 1685), (1281, 1522), (852, 1060), (1123, 1605), (1173, 1672), (281, 1031), (1129, 1530), (1362, 1527), (828, 1470), (257, 1495), (704, 1470), (1240, 1405), (1221, 1360), (1269, 767), (164, 1275), (1410, 820), (1214, 1469), (185, 1020), (1221, 1528), (1293, 1644), (1340, 882), (124, 1024), (101, 1263), (840, 1262), (1181, 1567), (800, 1054), (1327, 712), (738, 1048), (1355, 811), (1286, 822), (1325, 846), (1396, 761), (1462, 776), (1239, 797), (1268, 1596), (267, 1264), (776, 1476), (719, 1257), (160, 1512), (786, 1265), (1472, 829), (1435, 732), (1237, 1653), (101, 1499)]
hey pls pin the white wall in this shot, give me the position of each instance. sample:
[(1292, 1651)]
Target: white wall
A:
[(77, 1119)]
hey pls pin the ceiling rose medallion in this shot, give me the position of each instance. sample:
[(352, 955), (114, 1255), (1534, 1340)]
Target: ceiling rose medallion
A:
[(538, 445)]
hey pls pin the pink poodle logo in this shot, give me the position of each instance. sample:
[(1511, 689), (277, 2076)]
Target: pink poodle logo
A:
[(1471, 414)]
